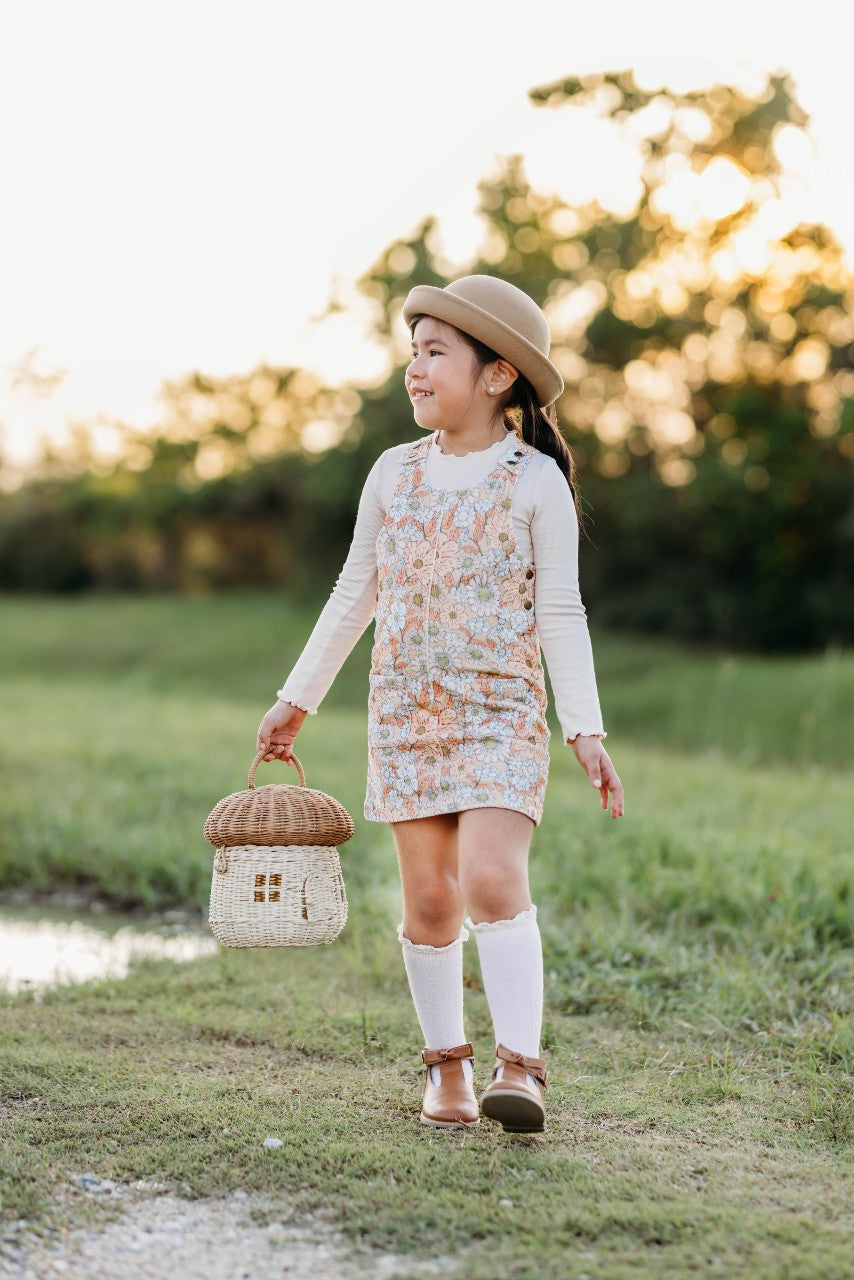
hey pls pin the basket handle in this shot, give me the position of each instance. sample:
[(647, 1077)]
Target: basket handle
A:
[(260, 756)]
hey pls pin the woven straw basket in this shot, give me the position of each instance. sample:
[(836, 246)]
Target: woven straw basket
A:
[(277, 878)]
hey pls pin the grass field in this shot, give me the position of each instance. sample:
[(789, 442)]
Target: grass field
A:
[(698, 991)]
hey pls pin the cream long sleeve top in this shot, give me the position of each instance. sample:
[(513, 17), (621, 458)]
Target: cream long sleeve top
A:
[(546, 529)]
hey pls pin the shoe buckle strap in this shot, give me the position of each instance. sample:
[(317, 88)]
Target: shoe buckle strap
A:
[(535, 1067), (433, 1057)]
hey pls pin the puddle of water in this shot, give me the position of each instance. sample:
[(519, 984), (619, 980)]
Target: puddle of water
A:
[(42, 947)]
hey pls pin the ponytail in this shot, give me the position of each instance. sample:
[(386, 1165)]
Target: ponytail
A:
[(538, 427)]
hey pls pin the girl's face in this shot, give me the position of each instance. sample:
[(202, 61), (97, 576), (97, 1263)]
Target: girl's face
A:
[(442, 377)]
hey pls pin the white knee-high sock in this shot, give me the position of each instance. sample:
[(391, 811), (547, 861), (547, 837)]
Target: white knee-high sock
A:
[(511, 961), (436, 981)]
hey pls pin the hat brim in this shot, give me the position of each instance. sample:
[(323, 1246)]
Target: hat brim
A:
[(426, 299)]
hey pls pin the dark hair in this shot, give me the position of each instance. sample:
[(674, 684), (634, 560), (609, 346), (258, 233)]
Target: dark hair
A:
[(523, 414)]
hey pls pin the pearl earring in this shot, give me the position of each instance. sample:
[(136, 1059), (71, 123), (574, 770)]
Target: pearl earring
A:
[(492, 391)]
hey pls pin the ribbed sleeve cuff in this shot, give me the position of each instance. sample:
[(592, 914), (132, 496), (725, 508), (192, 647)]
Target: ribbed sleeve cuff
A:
[(284, 696)]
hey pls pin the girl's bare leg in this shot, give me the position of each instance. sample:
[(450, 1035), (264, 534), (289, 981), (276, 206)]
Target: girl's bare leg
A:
[(493, 862), (493, 859), (427, 853), (432, 940)]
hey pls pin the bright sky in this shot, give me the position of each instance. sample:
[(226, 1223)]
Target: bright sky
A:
[(183, 180)]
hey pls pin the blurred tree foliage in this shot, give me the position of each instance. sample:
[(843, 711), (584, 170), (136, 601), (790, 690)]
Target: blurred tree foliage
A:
[(706, 344), (230, 491)]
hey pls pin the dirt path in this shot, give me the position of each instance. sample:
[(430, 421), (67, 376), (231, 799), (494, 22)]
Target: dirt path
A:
[(160, 1236)]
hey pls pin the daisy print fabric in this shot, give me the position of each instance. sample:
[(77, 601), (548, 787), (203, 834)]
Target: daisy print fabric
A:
[(457, 702)]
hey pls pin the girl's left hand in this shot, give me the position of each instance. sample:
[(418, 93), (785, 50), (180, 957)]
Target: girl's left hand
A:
[(596, 763)]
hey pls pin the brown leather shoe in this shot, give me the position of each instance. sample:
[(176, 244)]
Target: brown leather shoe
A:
[(452, 1103), (512, 1100)]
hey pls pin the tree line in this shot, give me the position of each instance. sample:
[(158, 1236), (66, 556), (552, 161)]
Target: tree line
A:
[(706, 347)]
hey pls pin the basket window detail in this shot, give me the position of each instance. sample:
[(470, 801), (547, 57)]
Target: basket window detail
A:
[(268, 888)]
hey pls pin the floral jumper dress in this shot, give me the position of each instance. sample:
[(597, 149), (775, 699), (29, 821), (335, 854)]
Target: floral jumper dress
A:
[(457, 702)]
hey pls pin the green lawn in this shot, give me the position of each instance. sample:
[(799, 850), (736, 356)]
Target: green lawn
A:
[(697, 953)]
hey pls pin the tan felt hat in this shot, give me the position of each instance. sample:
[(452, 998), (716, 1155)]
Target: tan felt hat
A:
[(500, 315)]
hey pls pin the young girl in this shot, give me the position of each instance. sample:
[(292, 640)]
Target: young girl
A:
[(466, 549)]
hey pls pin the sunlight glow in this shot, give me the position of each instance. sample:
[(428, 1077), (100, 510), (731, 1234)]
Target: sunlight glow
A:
[(320, 435), (208, 228), (677, 471), (690, 198)]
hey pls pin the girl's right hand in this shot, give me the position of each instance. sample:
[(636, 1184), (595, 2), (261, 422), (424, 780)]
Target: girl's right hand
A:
[(278, 730)]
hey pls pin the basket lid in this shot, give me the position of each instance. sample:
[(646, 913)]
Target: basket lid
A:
[(278, 813)]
